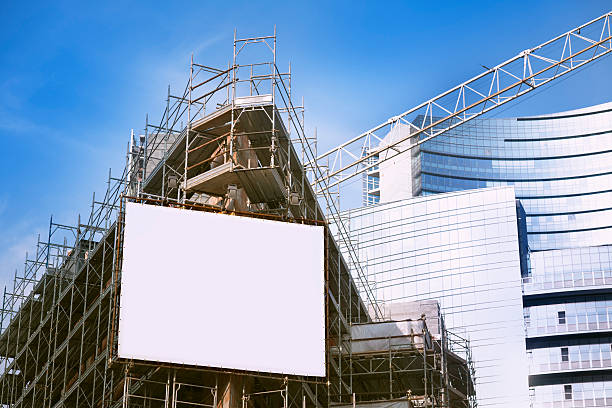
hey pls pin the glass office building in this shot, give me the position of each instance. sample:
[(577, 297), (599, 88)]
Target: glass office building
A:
[(461, 249), (560, 166)]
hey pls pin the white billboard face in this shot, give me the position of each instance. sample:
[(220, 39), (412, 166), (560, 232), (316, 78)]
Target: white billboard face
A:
[(223, 291)]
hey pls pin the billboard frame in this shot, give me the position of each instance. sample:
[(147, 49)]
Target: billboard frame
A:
[(116, 282)]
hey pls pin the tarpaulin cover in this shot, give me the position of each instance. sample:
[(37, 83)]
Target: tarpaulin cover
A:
[(379, 337)]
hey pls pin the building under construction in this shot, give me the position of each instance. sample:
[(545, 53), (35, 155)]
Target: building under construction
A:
[(232, 142)]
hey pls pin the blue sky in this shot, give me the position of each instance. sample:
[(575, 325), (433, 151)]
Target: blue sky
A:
[(76, 78)]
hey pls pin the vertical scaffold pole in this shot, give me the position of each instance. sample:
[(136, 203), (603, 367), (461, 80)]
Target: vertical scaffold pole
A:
[(188, 133)]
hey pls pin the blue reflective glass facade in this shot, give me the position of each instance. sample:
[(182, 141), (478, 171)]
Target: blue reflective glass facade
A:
[(559, 165), (561, 168)]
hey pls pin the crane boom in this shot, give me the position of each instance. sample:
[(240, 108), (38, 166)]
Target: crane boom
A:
[(494, 87)]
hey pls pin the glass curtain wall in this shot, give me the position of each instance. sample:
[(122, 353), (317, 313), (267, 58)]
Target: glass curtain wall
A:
[(560, 166)]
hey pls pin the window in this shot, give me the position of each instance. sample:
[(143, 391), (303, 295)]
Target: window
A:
[(561, 316), (564, 354), (568, 391)]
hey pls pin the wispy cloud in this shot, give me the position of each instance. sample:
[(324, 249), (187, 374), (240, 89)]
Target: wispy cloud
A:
[(14, 123), (21, 236), (174, 67), (19, 124), (209, 42), (13, 250)]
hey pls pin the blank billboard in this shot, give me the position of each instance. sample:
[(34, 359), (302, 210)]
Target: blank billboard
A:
[(216, 290)]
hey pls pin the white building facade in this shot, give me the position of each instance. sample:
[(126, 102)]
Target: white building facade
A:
[(461, 249)]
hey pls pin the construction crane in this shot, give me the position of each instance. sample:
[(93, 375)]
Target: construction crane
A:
[(519, 75)]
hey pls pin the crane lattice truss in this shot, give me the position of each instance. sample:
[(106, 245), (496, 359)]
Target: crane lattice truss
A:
[(529, 70)]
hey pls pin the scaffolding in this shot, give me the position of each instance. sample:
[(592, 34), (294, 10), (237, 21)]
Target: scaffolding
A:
[(404, 361), (226, 144)]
